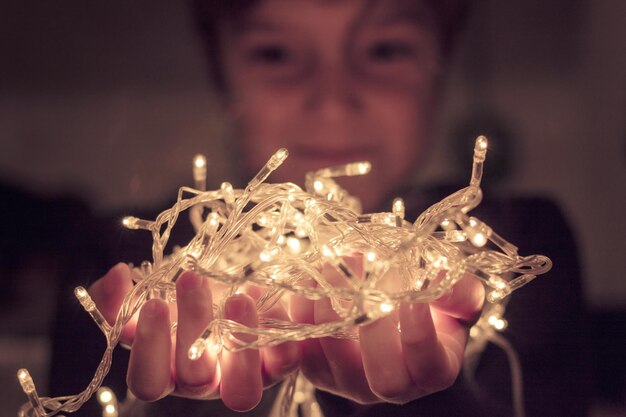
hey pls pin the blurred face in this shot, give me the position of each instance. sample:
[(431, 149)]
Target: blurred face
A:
[(334, 82)]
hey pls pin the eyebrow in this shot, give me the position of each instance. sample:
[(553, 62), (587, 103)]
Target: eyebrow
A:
[(258, 25), (413, 13)]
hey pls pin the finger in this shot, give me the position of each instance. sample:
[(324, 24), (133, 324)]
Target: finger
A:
[(464, 301), (108, 293), (149, 374), (194, 378), (241, 384), (383, 360), (313, 361), (432, 365), (344, 358), (281, 360)]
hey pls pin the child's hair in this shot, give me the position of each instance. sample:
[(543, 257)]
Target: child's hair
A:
[(447, 16)]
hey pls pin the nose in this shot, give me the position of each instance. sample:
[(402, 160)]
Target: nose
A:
[(333, 93)]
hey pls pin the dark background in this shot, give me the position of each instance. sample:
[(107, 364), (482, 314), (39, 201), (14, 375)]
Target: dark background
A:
[(104, 104)]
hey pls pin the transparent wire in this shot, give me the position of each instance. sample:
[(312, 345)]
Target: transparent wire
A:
[(280, 237)]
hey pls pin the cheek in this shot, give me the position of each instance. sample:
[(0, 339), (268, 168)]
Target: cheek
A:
[(406, 123), (264, 121)]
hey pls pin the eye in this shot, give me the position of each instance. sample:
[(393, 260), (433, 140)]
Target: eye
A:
[(389, 51), (270, 54)]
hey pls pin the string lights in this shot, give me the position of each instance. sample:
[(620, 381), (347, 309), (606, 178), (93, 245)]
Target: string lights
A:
[(279, 236)]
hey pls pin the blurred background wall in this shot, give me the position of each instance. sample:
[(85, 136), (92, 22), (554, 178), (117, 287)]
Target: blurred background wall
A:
[(109, 101)]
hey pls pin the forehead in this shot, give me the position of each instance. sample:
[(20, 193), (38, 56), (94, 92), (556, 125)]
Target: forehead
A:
[(321, 14)]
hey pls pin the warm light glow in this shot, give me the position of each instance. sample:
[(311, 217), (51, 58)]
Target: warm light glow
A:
[(25, 380), (215, 348), (386, 307), (328, 252), (363, 168), (294, 244), (265, 256), (199, 161), (196, 350), (280, 237), (481, 143), (479, 240), (110, 410), (398, 207), (105, 396)]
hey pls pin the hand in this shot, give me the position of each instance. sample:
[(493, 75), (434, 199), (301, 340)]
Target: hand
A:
[(387, 365), (159, 365)]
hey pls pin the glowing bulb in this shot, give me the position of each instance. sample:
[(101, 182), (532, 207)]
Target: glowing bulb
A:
[(199, 172), (26, 381), (28, 386), (363, 168), (228, 192), (90, 307), (318, 186), (299, 397), (398, 207), (481, 143), (455, 236), (500, 324), (267, 255), (197, 349), (84, 298), (110, 411), (479, 240), (129, 222), (474, 331), (278, 158), (274, 162), (199, 161), (441, 262), (328, 252), (497, 282), (385, 307), (214, 219), (294, 244), (105, 395), (134, 223), (496, 295), (215, 347), (357, 168), (497, 322)]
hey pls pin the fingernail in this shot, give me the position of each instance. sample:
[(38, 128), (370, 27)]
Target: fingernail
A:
[(236, 307), (416, 310), (190, 281)]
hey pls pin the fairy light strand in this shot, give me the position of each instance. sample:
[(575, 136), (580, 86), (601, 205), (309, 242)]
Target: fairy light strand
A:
[(280, 237)]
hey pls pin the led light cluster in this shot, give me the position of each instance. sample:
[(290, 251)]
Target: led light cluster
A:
[(280, 237)]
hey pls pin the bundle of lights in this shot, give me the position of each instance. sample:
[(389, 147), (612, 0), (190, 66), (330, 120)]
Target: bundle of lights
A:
[(279, 237)]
